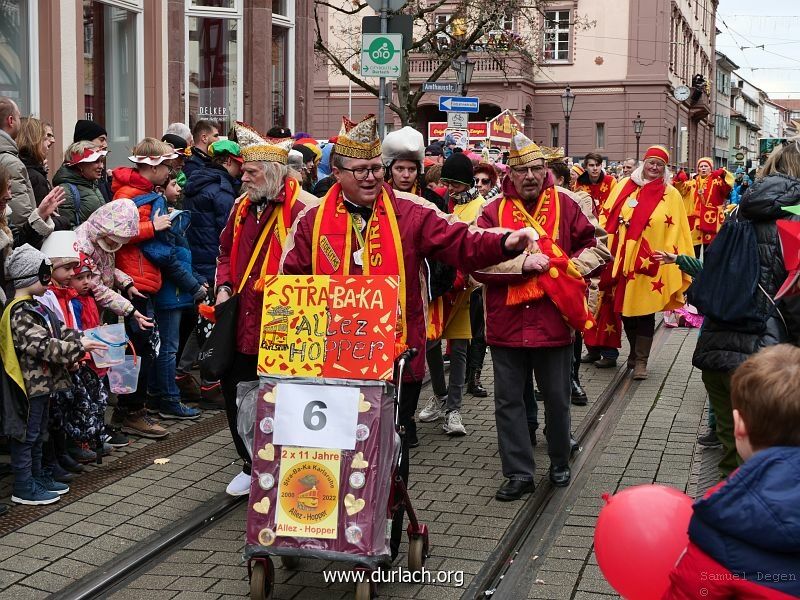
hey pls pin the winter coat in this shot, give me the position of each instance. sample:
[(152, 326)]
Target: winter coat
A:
[(44, 348), (38, 177), (26, 234), (323, 185), (440, 276), (146, 276), (198, 161), (720, 348), (744, 536), (209, 196), (23, 201), (89, 191), (424, 232), (536, 324), (250, 300), (170, 251), (118, 218)]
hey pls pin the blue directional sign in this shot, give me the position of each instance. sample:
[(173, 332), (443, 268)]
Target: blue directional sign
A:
[(467, 104)]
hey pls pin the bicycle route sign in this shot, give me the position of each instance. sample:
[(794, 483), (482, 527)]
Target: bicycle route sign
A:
[(381, 55)]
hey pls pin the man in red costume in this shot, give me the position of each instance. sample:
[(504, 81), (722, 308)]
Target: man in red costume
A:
[(704, 198), (533, 306), (363, 226)]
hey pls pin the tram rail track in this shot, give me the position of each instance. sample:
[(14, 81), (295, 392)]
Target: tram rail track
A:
[(501, 571)]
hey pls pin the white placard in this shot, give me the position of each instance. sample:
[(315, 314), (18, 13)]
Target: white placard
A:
[(317, 416), (457, 120)]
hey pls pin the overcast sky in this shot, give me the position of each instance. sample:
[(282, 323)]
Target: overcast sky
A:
[(775, 24)]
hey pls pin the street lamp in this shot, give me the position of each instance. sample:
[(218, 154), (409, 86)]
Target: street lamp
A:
[(463, 67), (567, 100), (638, 128)]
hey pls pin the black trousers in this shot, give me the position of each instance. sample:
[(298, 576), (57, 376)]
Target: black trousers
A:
[(477, 346), (644, 326), (409, 397), (244, 368)]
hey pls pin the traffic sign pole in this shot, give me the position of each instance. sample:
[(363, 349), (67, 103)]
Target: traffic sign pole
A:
[(382, 83)]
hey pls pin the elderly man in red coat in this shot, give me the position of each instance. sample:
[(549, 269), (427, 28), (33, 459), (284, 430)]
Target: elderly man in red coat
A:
[(363, 226), (533, 305), (250, 247)]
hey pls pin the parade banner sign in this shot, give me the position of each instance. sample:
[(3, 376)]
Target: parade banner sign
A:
[(339, 326), (503, 126), (478, 130), (308, 493)]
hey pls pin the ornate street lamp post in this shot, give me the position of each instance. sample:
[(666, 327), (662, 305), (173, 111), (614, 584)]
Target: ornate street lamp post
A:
[(464, 68), (638, 128)]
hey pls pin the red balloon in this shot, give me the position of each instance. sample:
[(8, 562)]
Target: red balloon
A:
[(640, 534)]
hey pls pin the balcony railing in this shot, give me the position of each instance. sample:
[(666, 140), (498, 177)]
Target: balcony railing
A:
[(514, 66)]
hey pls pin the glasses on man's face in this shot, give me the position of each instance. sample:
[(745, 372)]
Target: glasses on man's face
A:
[(481, 181), (536, 170), (361, 173)]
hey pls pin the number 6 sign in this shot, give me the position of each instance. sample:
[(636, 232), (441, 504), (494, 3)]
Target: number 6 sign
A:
[(316, 416)]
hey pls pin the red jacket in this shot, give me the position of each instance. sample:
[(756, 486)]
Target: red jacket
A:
[(129, 259), (250, 300), (536, 324), (425, 232)]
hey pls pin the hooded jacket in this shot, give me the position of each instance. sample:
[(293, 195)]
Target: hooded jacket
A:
[(720, 348), (744, 536), (146, 276), (170, 251), (38, 177), (198, 161), (121, 220), (90, 197), (209, 196), (23, 201)]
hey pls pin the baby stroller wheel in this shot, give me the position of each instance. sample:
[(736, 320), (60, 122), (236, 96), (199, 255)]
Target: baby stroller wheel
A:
[(261, 579), (417, 552), (364, 590), (290, 562)]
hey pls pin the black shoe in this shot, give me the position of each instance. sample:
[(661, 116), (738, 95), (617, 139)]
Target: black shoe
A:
[(115, 438), (590, 357), (476, 389), (709, 440), (573, 446), (538, 396), (560, 476), (577, 394), (513, 489), (413, 442), (532, 432), (60, 474), (70, 464)]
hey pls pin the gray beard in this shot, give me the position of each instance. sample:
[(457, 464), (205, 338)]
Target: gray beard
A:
[(260, 194)]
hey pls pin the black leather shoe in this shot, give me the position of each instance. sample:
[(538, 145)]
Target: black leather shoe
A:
[(478, 390), (560, 476), (513, 489), (577, 394), (590, 357)]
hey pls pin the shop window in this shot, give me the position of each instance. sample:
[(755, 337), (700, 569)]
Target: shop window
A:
[(557, 29), (15, 59), (213, 4), (600, 135), (213, 70), (279, 78), (110, 73)]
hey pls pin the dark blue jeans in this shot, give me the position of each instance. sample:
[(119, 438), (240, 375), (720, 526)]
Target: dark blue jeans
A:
[(163, 377), (143, 341), (26, 456)]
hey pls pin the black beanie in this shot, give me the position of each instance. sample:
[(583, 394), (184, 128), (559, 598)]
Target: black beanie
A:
[(458, 168), (86, 131)]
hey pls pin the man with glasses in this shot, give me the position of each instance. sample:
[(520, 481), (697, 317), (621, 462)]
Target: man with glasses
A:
[(533, 304), (365, 227)]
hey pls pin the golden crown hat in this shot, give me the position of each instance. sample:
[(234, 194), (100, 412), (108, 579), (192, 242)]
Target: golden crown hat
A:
[(255, 146), (522, 150), (553, 154), (359, 140)]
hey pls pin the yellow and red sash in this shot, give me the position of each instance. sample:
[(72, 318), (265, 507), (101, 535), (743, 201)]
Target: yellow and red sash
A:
[(278, 224), (562, 283), (332, 244)]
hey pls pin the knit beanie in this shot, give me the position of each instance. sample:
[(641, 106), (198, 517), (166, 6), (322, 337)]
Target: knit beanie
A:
[(86, 130), (458, 168), (22, 266)]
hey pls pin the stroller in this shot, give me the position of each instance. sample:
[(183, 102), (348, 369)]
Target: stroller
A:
[(316, 493)]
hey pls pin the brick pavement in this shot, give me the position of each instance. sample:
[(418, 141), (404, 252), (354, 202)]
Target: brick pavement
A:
[(453, 483)]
